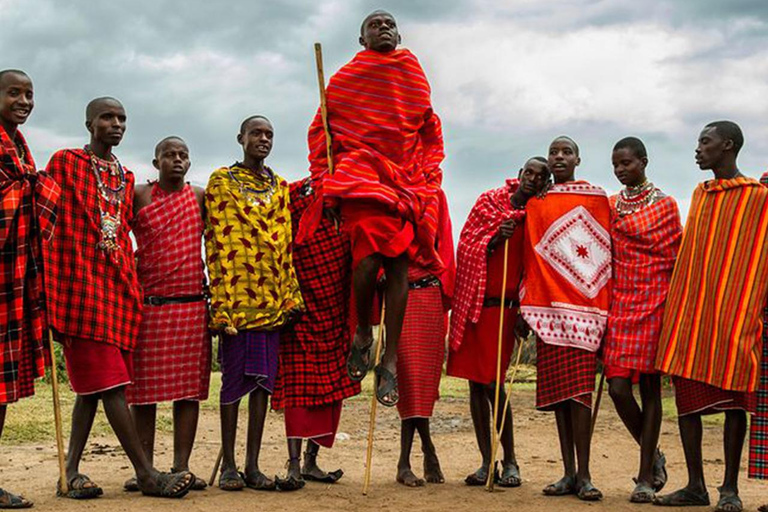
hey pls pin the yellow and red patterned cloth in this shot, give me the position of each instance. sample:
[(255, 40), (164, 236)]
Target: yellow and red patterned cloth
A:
[(387, 150), (248, 250), (28, 205)]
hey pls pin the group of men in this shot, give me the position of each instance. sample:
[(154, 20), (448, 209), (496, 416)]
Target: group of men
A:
[(299, 273)]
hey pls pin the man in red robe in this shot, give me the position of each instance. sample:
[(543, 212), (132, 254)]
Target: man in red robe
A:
[(495, 219), (27, 215), (387, 148), (94, 299)]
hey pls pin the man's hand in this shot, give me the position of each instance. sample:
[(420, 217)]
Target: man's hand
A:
[(332, 214), (507, 229), (293, 316), (522, 329)]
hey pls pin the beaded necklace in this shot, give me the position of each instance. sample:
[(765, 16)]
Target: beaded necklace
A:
[(110, 199), (634, 199), (255, 196)]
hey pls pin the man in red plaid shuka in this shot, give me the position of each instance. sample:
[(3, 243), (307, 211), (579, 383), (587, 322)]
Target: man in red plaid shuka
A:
[(94, 299), (312, 379), (172, 361), (645, 233), (27, 217), (495, 219)]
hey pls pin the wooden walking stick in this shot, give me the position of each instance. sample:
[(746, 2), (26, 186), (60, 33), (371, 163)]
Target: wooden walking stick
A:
[(499, 381), (57, 415), (374, 403), (597, 402), (495, 447), (216, 467), (324, 112)]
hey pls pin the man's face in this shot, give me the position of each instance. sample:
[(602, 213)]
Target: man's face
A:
[(108, 124), (711, 149), (17, 98), (562, 160), (628, 168), (533, 177), (172, 160), (257, 138), (380, 33)]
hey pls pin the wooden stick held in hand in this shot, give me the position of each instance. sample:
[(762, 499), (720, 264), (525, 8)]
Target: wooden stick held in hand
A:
[(57, 415), (324, 113), (374, 403)]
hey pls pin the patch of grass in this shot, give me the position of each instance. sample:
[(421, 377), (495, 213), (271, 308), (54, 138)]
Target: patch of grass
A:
[(670, 412)]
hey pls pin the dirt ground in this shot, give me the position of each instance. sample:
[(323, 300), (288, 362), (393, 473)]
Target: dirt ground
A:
[(33, 468)]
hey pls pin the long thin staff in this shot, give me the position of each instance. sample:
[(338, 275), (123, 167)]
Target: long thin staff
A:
[(57, 415), (374, 403), (495, 447), (324, 112), (216, 467), (499, 381), (597, 402)]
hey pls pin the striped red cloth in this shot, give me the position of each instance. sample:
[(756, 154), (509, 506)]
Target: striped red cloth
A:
[(172, 360), (644, 246), (387, 149), (313, 351), (421, 351), (712, 327), (490, 210), (693, 397), (563, 373), (90, 294), (27, 217)]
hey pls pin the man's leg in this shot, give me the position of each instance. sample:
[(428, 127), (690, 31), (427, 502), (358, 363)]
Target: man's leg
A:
[(405, 475), (144, 417), (510, 472), (433, 474), (566, 485), (6, 498), (185, 418), (83, 413), (229, 479), (581, 419), (691, 435), (257, 416), (396, 270), (627, 407), (294, 458), (3, 409), (650, 394), (733, 443), (481, 420), (364, 283)]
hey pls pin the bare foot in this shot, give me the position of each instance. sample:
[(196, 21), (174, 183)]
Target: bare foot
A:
[(432, 472), (406, 477)]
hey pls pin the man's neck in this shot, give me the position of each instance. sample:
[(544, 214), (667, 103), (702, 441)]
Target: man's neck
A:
[(727, 171), (519, 199), (170, 184), (101, 150), (253, 164), (10, 129)]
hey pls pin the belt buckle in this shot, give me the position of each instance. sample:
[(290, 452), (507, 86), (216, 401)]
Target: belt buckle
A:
[(154, 301)]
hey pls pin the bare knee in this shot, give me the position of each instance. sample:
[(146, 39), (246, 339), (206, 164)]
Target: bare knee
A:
[(620, 389)]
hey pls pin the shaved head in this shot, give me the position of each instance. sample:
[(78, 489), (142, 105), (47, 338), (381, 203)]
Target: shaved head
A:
[(171, 138), (6, 72), (729, 130), (92, 110), (569, 141), (371, 15), (633, 144), (247, 120)]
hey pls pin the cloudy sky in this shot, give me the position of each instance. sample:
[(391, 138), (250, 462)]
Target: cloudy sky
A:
[(507, 76)]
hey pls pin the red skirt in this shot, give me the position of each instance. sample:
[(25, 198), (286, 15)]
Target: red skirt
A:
[(475, 359), (617, 372), (318, 423), (693, 397), (420, 353), (172, 360), (93, 366), (563, 373), (372, 229)]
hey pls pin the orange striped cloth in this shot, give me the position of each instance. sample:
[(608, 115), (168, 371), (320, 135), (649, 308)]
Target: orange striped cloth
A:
[(387, 149), (712, 321), (567, 265)]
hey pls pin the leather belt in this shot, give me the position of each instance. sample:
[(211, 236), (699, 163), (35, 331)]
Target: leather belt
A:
[(424, 282), (494, 302), (161, 301)]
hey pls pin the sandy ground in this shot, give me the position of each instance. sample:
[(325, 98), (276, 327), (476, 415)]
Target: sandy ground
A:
[(33, 468)]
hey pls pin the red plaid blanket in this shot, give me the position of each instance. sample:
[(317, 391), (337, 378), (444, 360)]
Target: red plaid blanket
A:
[(27, 216), (90, 294), (387, 145), (645, 246), (491, 209)]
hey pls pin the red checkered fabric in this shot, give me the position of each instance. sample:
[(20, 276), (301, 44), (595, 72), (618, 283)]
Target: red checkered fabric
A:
[(563, 373), (421, 350), (758, 430), (491, 209), (27, 216), (644, 246), (172, 360), (313, 351), (694, 397), (90, 294)]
